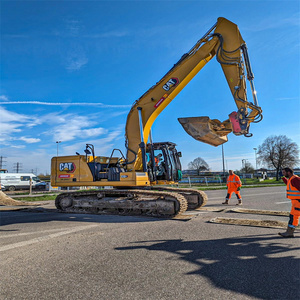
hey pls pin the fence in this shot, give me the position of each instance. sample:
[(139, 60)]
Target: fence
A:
[(203, 180)]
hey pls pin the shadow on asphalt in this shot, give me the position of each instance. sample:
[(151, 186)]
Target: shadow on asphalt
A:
[(37, 215), (245, 265)]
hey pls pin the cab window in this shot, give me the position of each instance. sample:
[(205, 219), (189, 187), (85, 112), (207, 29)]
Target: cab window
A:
[(158, 157)]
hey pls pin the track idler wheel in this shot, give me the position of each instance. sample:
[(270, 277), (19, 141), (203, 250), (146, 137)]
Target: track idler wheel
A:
[(63, 202)]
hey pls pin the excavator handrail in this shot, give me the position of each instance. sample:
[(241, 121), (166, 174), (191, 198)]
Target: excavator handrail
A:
[(112, 153)]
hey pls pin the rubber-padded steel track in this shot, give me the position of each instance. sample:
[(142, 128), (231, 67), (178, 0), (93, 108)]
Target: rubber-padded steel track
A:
[(123, 202), (195, 198)]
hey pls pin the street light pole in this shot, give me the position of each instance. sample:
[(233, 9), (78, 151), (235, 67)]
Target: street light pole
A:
[(223, 163), (255, 158), (223, 160), (57, 142), (244, 161)]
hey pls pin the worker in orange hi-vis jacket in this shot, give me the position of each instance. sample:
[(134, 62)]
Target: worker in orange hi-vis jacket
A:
[(233, 186), (293, 193)]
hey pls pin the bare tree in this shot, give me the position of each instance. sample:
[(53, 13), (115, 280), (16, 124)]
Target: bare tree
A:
[(278, 152), (247, 168), (198, 164)]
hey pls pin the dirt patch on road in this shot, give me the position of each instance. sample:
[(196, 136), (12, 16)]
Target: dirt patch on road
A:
[(260, 212), (212, 209), (8, 201), (250, 222)]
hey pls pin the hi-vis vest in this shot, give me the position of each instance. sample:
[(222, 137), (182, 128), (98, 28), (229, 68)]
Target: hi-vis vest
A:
[(291, 192), (233, 181)]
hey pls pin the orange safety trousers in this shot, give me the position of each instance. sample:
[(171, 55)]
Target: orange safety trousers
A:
[(295, 213), (231, 191)]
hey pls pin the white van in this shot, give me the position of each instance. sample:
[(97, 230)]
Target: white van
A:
[(14, 181)]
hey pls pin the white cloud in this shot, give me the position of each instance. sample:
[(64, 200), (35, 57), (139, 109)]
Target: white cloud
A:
[(9, 116), (18, 147), (103, 146), (75, 62), (73, 27), (3, 98), (68, 104), (271, 22), (287, 98), (7, 128), (12, 123), (72, 126), (16, 136), (29, 140), (67, 126), (75, 58), (109, 34), (94, 131)]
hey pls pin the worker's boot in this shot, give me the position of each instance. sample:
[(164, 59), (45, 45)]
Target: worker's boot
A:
[(289, 233), (240, 202), (226, 202)]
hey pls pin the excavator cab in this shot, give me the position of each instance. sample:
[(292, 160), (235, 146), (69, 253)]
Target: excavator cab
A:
[(163, 163)]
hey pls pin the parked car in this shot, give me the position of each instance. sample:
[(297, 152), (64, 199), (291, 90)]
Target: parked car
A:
[(18, 181), (42, 186), (2, 187)]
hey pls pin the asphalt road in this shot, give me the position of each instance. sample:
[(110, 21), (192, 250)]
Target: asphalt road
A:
[(50, 255)]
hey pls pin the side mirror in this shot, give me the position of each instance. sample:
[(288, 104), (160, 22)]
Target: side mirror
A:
[(179, 154)]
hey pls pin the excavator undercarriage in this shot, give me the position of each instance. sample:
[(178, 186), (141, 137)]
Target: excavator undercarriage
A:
[(161, 202), (123, 202)]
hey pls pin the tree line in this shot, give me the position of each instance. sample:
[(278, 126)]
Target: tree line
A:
[(275, 152)]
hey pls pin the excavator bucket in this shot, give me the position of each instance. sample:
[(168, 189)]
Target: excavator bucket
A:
[(201, 129)]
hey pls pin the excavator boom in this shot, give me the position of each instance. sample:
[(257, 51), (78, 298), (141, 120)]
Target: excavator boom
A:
[(224, 42)]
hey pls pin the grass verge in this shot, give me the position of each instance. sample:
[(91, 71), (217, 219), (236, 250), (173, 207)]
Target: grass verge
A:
[(36, 198)]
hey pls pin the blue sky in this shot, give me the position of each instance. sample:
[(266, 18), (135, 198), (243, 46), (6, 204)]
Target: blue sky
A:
[(70, 71)]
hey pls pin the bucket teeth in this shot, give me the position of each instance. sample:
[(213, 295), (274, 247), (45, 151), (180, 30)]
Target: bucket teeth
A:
[(201, 129)]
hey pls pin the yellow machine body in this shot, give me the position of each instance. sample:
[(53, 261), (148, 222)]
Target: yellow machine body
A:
[(138, 167), (70, 171)]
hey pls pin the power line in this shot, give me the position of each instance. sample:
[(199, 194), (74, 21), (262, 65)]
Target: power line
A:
[(2, 162), (17, 167)]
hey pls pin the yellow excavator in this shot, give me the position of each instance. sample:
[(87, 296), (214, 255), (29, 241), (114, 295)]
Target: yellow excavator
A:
[(135, 184)]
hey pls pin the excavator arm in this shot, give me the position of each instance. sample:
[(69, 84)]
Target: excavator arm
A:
[(225, 42)]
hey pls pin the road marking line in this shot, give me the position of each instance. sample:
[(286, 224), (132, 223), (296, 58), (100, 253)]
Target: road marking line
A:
[(249, 195), (44, 238), (28, 233), (282, 202), (283, 193), (187, 213)]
